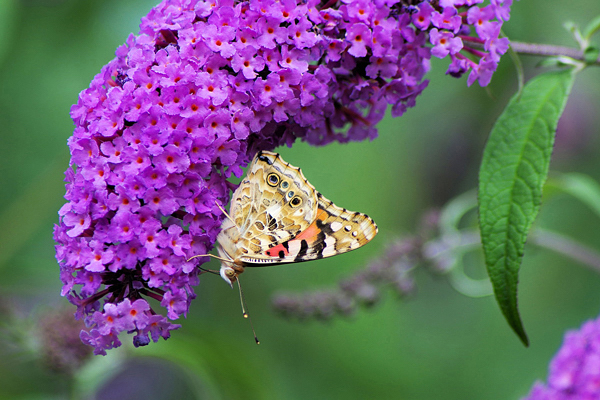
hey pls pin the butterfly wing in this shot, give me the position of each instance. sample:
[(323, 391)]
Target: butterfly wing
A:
[(272, 205), (334, 231)]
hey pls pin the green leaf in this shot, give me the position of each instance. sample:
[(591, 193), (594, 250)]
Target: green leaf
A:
[(590, 54), (550, 62), (592, 28), (574, 29), (512, 174)]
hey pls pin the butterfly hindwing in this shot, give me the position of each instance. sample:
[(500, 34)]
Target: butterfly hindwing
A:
[(334, 231)]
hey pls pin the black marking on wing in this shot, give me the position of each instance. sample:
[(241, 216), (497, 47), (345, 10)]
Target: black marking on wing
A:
[(286, 245), (281, 254), (264, 158), (319, 243), (325, 229), (302, 252), (271, 222)]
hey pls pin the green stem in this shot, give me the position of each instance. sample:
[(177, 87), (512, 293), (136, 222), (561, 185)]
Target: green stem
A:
[(469, 240), (568, 247)]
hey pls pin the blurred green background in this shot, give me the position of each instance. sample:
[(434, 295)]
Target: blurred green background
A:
[(438, 344)]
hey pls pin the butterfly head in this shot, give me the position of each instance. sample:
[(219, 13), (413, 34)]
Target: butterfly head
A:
[(230, 273)]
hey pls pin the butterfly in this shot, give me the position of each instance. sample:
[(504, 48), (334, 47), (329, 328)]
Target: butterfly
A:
[(277, 217)]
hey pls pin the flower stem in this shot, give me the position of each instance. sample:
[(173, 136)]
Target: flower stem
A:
[(548, 50), (540, 237), (469, 239), (568, 247)]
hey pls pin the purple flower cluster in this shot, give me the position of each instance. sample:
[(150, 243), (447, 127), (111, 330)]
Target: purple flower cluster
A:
[(575, 370), (188, 101), (449, 23)]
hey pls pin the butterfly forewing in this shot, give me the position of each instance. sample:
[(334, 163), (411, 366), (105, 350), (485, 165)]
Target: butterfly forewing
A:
[(272, 205)]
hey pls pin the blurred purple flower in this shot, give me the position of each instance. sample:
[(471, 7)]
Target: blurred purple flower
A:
[(188, 101), (575, 370)]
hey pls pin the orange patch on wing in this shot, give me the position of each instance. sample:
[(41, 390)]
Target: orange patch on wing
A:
[(309, 234), (312, 231), (274, 251)]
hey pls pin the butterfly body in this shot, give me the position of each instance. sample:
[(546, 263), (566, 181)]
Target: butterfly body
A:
[(277, 216)]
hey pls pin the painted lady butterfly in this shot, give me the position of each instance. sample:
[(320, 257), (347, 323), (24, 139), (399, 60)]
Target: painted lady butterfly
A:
[(277, 217)]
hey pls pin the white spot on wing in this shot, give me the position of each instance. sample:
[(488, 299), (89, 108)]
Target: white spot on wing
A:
[(294, 247), (329, 249), (330, 241), (336, 226)]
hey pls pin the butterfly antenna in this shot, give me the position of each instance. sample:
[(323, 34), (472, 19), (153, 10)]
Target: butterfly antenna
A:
[(245, 310)]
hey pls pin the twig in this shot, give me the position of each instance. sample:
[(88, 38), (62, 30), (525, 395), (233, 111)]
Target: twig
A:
[(568, 247), (548, 50)]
